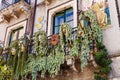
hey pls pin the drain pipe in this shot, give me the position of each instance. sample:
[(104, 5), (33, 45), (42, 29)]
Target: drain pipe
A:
[(118, 12), (33, 21)]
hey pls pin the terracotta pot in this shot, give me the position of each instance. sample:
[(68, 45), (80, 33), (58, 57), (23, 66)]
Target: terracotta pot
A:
[(54, 39)]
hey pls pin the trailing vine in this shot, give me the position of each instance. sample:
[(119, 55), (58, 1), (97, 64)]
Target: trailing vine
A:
[(65, 34), (42, 61), (38, 62), (96, 30), (40, 42), (54, 60), (17, 58), (46, 57)]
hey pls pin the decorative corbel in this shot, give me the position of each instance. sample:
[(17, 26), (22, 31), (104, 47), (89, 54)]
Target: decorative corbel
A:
[(25, 9), (15, 14), (48, 2), (6, 18), (1, 18)]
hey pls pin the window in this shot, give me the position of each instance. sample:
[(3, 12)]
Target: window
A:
[(65, 16), (15, 1), (16, 34)]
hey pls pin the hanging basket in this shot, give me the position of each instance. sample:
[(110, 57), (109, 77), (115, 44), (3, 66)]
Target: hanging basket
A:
[(54, 39)]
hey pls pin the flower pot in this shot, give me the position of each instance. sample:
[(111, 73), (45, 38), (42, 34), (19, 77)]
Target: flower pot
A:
[(54, 39)]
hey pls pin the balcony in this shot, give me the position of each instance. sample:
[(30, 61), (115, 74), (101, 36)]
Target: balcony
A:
[(13, 9)]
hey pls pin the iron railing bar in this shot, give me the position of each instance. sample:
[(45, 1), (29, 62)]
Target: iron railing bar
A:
[(7, 4), (58, 33)]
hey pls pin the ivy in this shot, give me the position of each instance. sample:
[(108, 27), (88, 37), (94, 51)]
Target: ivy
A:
[(65, 34), (47, 58), (84, 56), (40, 42)]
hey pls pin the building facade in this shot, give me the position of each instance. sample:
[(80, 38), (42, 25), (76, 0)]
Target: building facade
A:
[(111, 34), (25, 17)]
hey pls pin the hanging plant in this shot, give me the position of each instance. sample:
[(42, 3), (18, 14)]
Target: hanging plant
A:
[(40, 42), (75, 50), (5, 73), (17, 58), (54, 60), (84, 56), (1, 50), (37, 63), (50, 63), (65, 34), (13, 51), (96, 30), (85, 36)]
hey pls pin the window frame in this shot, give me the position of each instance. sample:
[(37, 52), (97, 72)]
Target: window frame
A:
[(64, 12), (15, 26), (17, 36), (27, 1), (57, 8)]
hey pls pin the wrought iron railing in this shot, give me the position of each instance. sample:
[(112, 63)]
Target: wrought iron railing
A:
[(30, 45), (6, 3)]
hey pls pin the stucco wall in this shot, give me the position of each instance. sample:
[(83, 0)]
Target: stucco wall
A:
[(111, 36), (40, 13), (3, 26), (47, 12)]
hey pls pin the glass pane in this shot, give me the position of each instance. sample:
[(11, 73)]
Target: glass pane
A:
[(59, 19), (14, 36), (27, 1), (69, 14), (56, 29), (20, 33), (71, 24), (15, 1)]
